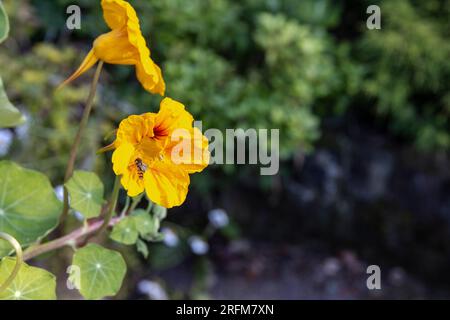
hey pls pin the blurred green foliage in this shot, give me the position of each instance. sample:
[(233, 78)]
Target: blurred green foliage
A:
[(283, 64), (44, 141), (408, 70), (287, 64)]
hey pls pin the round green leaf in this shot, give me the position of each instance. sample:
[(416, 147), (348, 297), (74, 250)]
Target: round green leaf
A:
[(30, 283), (10, 116), (101, 271), (86, 193), (125, 231), (145, 223), (4, 23), (139, 223), (29, 209)]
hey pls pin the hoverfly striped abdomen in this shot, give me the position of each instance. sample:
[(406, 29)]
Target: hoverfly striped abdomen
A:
[(141, 167)]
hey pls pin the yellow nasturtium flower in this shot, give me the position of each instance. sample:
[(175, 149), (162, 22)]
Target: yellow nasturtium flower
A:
[(123, 45), (157, 152)]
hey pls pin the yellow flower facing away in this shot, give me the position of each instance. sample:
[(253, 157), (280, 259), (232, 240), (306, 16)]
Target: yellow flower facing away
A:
[(157, 152), (124, 45)]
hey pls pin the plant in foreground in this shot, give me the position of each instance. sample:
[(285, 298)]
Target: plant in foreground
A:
[(154, 153)]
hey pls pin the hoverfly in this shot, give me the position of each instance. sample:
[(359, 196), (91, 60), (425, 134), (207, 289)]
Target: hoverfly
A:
[(141, 167)]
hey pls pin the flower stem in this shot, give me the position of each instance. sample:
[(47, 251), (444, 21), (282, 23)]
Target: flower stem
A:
[(112, 206), (126, 207), (135, 202), (68, 240), (19, 259), (76, 144), (149, 206)]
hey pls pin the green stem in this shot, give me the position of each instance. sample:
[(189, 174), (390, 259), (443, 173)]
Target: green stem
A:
[(85, 232), (149, 206), (126, 207), (136, 201), (76, 144), (129, 208), (19, 259), (112, 207)]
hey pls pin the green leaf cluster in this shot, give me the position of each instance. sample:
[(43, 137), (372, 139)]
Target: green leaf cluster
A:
[(140, 226), (407, 70)]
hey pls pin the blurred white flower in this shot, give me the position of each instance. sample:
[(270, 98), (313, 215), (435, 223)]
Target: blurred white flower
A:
[(6, 139), (23, 130), (78, 215), (397, 276), (331, 267), (170, 238), (218, 218), (59, 191), (152, 289), (198, 245)]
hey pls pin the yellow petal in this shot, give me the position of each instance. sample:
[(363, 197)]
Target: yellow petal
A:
[(87, 63), (172, 115), (134, 128), (166, 184), (189, 150), (116, 13), (160, 87), (124, 45), (122, 157), (132, 183), (150, 77), (120, 15), (150, 150), (114, 48)]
